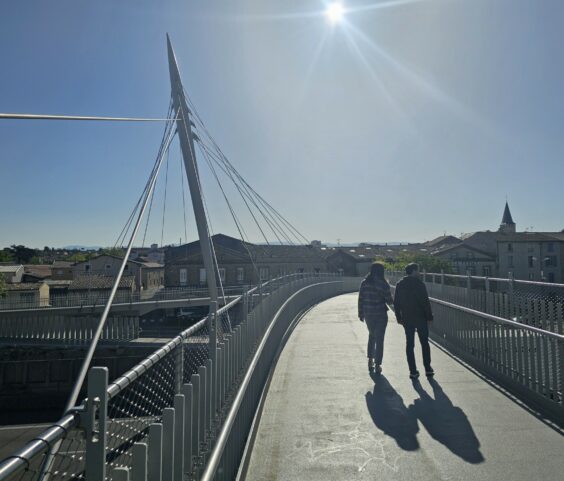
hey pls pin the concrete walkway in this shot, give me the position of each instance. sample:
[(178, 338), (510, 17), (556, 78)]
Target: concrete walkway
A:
[(325, 418)]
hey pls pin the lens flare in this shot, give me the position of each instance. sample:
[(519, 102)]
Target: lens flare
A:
[(335, 13)]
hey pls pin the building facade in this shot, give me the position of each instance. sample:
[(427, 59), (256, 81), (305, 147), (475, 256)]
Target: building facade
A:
[(240, 263)]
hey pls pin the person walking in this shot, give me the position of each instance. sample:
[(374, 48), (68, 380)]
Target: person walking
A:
[(413, 311), (373, 300)]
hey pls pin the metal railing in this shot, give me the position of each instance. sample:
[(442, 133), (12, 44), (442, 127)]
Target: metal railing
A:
[(164, 416), (537, 304), (527, 359), (99, 298)]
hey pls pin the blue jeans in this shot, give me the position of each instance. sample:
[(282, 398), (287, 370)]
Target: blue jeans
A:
[(376, 332), (423, 333)]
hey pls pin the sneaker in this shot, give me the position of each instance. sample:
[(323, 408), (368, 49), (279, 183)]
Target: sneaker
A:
[(378, 369), (371, 365), (429, 373), (414, 375)]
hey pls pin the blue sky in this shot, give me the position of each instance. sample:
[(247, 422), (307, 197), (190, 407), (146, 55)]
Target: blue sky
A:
[(401, 123)]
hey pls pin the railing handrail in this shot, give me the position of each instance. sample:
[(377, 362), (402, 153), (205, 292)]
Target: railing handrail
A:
[(499, 320), (58, 430), (495, 279)]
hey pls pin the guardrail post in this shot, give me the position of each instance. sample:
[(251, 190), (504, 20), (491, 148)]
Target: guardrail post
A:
[(442, 283), (188, 427), (204, 408), (168, 444), (96, 418), (139, 468), (155, 463), (511, 278), (179, 366), (178, 447), (468, 287), (210, 369), (196, 417), (212, 330)]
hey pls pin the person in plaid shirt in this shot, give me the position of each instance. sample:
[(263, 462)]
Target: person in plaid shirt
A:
[(373, 300)]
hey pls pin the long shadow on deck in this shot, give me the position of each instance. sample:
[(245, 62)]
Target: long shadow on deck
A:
[(390, 414), (443, 421), (446, 423)]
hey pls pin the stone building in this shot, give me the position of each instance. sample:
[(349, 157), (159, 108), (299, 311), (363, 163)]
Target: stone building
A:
[(25, 295), (240, 263), (147, 275)]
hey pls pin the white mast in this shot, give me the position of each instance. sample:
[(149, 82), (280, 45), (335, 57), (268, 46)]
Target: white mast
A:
[(186, 138)]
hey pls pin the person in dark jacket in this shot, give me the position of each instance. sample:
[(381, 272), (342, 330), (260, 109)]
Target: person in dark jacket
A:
[(373, 299), (413, 311)]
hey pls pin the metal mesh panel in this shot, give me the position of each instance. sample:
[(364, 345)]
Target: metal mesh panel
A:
[(137, 406), (533, 303)]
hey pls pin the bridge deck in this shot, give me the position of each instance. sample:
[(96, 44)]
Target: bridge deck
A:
[(325, 419)]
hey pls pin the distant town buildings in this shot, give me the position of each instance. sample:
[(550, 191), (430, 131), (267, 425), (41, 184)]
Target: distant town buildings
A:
[(535, 256)]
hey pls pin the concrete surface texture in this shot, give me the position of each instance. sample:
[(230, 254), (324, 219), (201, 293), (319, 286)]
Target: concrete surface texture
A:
[(326, 419)]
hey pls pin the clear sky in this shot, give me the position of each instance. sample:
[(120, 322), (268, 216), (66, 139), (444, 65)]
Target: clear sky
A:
[(407, 119)]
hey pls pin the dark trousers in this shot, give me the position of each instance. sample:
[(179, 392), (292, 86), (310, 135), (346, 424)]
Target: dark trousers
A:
[(423, 333), (376, 332)]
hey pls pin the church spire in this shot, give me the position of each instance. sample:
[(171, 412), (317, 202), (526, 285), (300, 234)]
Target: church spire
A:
[(507, 224)]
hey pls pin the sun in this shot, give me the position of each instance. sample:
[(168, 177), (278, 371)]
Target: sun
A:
[(335, 13)]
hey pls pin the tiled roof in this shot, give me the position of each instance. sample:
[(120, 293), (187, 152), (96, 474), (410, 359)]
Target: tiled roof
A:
[(98, 281), (152, 265), (444, 239), (38, 270), (11, 268), (24, 286), (60, 264), (532, 236)]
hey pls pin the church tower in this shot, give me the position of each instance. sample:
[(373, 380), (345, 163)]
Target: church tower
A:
[(507, 225)]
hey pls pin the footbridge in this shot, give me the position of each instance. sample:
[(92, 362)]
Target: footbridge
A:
[(288, 396), (280, 390)]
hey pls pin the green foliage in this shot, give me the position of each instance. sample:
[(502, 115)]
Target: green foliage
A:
[(2, 286), (112, 251), (21, 254), (426, 262), (79, 257), (5, 256)]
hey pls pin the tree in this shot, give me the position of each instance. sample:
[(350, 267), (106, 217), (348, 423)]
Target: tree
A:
[(2, 286), (426, 262), (112, 251), (21, 254), (5, 256)]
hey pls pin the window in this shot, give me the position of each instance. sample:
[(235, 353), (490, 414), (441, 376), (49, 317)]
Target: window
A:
[(203, 276), (87, 267), (27, 297), (126, 267), (264, 273), (551, 277), (340, 271), (550, 247), (509, 247), (509, 261), (550, 261), (240, 274), (531, 276), (183, 277), (316, 271), (486, 271), (222, 274), (531, 261)]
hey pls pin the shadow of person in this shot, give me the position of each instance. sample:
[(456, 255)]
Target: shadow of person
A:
[(389, 414), (446, 423)]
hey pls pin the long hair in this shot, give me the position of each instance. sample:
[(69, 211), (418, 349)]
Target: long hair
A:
[(376, 272)]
